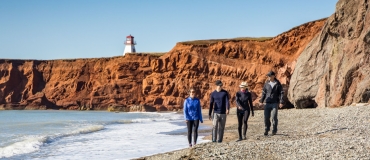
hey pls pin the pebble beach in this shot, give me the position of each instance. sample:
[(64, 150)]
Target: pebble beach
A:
[(321, 133)]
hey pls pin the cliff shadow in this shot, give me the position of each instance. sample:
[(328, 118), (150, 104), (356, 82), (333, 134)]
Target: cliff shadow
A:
[(287, 103), (306, 102), (365, 96)]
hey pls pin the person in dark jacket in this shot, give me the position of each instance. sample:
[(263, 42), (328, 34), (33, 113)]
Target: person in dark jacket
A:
[(219, 105), (272, 97), (192, 115), (244, 108)]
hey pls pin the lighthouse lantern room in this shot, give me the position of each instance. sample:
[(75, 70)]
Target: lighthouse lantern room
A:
[(129, 45)]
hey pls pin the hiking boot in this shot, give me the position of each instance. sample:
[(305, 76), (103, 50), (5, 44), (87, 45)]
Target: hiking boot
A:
[(273, 133), (190, 146), (239, 140), (244, 137), (266, 133)]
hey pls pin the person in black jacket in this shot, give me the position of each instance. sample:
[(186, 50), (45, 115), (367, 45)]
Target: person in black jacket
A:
[(272, 97), (244, 108), (218, 109)]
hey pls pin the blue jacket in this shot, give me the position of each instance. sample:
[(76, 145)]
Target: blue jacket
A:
[(192, 109)]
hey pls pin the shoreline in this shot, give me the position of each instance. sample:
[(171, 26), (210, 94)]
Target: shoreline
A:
[(207, 132), (119, 135), (321, 133), (230, 122)]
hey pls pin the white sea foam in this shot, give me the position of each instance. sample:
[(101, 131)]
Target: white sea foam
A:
[(27, 146), (119, 142), (94, 135), (84, 130), (33, 143), (158, 117)]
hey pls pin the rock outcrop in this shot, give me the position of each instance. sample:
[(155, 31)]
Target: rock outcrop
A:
[(80, 84), (334, 68), (199, 64), (144, 82)]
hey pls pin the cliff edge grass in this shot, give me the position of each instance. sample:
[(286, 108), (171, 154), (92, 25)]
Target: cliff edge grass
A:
[(238, 39), (157, 54), (213, 41)]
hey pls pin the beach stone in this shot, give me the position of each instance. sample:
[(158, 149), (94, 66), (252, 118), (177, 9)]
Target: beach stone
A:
[(306, 137)]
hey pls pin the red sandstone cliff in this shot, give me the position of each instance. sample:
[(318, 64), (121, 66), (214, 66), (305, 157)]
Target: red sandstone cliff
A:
[(73, 84), (334, 69), (146, 82), (232, 61)]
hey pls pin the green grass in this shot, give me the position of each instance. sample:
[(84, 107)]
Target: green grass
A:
[(158, 54), (253, 38), (258, 39), (212, 41)]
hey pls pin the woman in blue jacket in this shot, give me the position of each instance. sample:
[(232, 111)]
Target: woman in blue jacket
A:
[(192, 114)]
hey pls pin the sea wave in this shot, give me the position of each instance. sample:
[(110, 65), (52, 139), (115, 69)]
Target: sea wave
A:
[(31, 144), (151, 117), (161, 118), (34, 143), (138, 120)]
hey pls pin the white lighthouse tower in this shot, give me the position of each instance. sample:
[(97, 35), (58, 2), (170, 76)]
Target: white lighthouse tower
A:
[(129, 45)]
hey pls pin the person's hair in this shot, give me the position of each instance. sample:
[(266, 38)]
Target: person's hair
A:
[(191, 89)]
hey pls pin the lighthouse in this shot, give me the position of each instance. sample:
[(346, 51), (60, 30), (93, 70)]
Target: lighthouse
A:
[(129, 45)]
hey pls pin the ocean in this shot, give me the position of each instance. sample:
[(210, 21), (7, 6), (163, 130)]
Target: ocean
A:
[(50, 134)]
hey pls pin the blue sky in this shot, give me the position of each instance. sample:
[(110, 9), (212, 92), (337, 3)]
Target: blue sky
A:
[(67, 29)]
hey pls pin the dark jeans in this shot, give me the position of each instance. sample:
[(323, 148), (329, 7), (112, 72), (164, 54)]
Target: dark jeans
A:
[(242, 119), (191, 124), (271, 109)]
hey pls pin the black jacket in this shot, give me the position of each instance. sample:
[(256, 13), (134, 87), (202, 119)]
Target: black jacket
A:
[(244, 100), (272, 95), (220, 102)]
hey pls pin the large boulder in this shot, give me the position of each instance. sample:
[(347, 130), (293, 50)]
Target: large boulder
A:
[(334, 68)]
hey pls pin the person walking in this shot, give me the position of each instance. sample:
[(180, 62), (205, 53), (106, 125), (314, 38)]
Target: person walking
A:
[(192, 115), (219, 106), (272, 97), (244, 108)]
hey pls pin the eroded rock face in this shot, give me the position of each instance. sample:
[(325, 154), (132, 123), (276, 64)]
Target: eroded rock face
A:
[(80, 84), (334, 68), (199, 66), (151, 83)]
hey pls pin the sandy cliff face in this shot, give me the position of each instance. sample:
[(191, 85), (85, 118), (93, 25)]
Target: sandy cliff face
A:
[(334, 69), (73, 84), (148, 83), (231, 61)]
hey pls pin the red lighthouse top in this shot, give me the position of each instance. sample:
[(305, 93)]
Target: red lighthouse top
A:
[(130, 40)]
